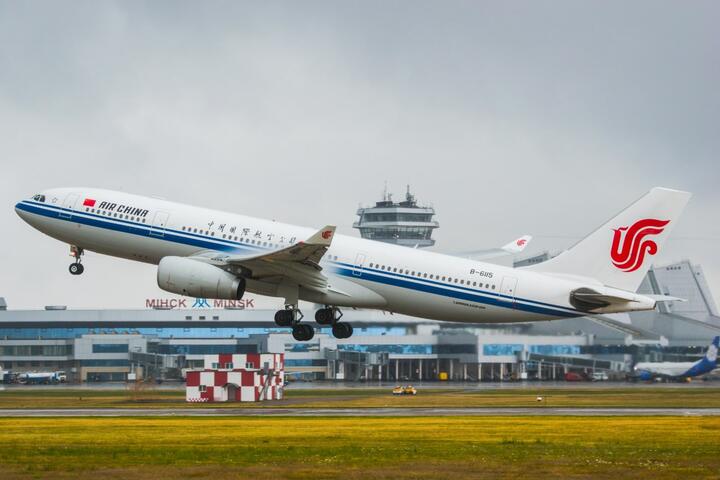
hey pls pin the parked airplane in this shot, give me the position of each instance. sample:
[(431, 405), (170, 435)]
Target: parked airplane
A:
[(213, 254), (679, 370)]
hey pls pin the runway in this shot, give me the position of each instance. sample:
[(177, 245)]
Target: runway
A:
[(361, 412)]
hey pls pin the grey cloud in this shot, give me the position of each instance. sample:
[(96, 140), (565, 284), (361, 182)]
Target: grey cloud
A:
[(509, 117)]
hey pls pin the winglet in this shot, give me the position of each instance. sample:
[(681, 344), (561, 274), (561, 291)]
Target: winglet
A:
[(323, 236), (518, 245)]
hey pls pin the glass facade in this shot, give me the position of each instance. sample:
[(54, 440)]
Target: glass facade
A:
[(36, 350), (491, 349), (396, 217), (556, 350), (305, 362), (396, 349), (388, 233), (191, 349), (110, 348), (76, 332), (105, 363)]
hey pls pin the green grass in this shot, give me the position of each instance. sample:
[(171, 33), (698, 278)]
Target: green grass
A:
[(680, 397), (354, 448)]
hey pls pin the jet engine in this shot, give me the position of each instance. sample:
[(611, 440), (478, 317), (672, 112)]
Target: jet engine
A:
[(197, 279)]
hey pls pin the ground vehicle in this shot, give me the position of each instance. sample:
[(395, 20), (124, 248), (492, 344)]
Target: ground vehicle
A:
[(575, 377), (34, 378), (599, 377), (406, 390)]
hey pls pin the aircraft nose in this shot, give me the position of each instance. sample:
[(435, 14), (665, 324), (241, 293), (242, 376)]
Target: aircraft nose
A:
[(19, 210)]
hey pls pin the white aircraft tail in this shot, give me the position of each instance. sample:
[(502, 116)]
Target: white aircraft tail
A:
[(618, 253), (517, 245)]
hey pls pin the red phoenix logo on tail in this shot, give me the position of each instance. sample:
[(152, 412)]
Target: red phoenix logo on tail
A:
[(629, 245)]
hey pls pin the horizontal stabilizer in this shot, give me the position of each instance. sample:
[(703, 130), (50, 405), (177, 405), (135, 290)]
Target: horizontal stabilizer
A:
[(665, 298)]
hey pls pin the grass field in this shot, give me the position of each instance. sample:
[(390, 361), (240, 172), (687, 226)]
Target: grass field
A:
[(354, 448), (682, 397)]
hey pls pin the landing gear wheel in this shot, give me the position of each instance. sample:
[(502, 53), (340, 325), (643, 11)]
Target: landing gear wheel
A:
[(76, 269), (76, 252), (328, 316), (342, 330), (303, 332), (284, 318)]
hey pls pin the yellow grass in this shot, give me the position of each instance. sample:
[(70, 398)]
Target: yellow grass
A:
[(354, 448)]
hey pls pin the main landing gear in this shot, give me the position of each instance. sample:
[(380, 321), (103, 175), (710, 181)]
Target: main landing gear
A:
[(290, 317), (76, 268), (332, 316), (302, 332)]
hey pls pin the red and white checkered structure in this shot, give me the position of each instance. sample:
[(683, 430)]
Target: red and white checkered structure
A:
[(249, 377)]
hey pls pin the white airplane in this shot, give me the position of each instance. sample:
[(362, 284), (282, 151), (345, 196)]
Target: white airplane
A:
[(679, 370), (213, 254)]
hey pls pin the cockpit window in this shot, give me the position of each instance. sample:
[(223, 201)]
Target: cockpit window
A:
[(39, 198)]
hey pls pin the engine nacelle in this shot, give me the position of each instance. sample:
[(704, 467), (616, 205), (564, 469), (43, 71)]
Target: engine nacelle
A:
[(197, 279)]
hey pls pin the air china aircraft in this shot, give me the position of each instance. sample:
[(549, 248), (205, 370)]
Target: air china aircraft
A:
[(679, 370), (213, 254)]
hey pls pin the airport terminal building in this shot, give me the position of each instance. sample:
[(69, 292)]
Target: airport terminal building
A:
[(107, 345)]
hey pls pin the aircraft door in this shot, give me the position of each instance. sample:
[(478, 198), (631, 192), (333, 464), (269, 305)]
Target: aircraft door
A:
[(159, 223), (508, 287), (359, 262), (68, 205)]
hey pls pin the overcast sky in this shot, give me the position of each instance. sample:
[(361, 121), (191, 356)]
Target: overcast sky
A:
[(509, 117)]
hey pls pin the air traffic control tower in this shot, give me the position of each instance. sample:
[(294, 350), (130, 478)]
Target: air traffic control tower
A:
[(402, 223)]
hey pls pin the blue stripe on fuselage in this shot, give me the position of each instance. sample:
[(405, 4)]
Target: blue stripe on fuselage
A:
[(463, 295)]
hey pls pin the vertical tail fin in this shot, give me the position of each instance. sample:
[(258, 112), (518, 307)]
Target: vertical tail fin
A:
[(712, 351), (618, 254)]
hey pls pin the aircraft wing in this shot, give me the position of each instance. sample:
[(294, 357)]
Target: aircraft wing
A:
[(516, 246), (299, 262)]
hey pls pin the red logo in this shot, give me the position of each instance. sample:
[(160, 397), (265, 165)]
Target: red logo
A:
[(326, 234), (630, 246), (89, 202), (521, 242)]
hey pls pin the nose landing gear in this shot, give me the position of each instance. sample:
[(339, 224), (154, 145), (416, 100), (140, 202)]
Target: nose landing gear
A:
[(332, 316), (76, 268)]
